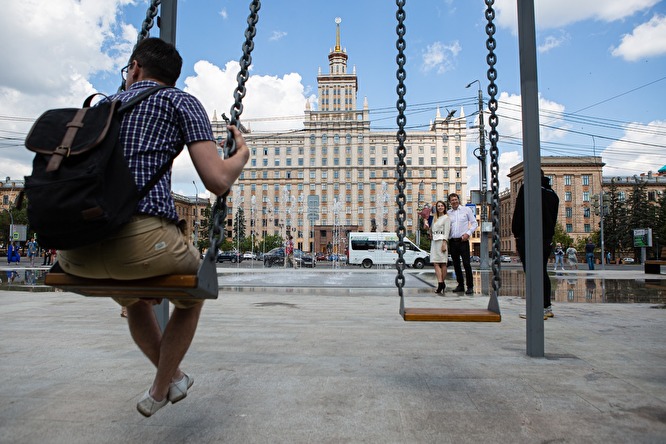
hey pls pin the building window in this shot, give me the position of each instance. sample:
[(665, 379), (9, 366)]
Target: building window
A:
[(586, 179), (567, 196), (567, 179), (586, 196), (586, 212), (569, 228), (568, 212), (586, 227)]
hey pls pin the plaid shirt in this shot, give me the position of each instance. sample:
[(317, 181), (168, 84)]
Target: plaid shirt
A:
[(155, 130)]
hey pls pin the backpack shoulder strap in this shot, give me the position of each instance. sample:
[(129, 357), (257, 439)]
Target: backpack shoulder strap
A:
[(126, 106)]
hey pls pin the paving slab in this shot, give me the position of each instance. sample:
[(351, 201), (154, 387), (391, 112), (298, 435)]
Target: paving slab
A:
[(335, 364)]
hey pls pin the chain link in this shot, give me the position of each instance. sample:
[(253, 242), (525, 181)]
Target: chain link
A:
[(493, 121), (220, 206), (401, 135), (148, 22)]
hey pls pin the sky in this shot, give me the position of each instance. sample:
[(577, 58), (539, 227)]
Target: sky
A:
[(601, 69)]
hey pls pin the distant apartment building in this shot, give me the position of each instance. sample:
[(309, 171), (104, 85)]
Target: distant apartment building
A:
[(337, 174), (575, 179)]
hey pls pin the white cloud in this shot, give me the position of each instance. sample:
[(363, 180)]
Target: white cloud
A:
[(641, 149), (551, 42), (51, 48), (647, 39), (511, 121), (267, 99), (557, 13), (507, 159), (440, 57), (223, 13), (267, 96), (277, 35)]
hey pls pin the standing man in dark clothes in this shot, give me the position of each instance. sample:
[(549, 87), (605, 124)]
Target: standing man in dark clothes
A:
[(463, 224), (549, 204)]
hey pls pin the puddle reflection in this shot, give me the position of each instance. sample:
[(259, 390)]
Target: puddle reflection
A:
[(575, 288), (591, 289)]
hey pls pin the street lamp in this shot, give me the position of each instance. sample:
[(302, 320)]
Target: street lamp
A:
[(483, 181), (196, 216)]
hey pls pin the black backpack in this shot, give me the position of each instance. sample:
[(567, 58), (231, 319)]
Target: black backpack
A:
[(81, 190)]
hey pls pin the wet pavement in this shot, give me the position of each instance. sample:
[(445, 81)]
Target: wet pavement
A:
[(289, 356)]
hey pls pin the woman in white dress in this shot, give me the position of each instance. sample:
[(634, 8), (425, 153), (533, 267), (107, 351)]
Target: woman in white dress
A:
[(439, 245)]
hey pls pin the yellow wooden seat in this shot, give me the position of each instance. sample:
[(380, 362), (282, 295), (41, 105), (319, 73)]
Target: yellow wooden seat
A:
[(202, 285), (450, 315)]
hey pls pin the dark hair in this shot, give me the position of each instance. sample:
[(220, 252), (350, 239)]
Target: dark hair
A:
[(437, 212), (453, 195), (160, 60)]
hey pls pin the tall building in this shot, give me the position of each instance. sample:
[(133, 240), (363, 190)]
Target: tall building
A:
[(575, 179), (337, 174)]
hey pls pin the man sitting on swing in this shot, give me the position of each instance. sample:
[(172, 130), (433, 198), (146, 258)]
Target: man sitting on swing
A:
[(152, 244)]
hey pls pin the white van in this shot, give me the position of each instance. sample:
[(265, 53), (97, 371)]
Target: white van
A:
[(368, 249)]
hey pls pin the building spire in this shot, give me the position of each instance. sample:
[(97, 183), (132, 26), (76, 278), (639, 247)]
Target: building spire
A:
[(338, 48)]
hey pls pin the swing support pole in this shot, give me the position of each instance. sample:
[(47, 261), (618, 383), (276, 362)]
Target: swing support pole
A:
[(532, 185), (167, 25)]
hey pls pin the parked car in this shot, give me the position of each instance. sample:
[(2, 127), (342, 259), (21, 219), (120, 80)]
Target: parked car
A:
[(505, 258), (276, 257), (475, 259), (231, 256), (627, 260), (249, 255), (321, 256)]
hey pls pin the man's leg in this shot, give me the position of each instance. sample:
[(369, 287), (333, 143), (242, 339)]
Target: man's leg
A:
[(454, 250), (176, 340), (464, 254), (148, 337)]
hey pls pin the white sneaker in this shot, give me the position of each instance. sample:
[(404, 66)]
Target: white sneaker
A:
[(178, 390), (147, 406)]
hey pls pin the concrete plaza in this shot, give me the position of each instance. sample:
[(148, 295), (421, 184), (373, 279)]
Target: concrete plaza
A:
[(314, 363)]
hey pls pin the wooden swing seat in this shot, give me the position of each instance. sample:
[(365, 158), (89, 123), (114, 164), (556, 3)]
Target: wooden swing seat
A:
[(450, 315), (202, 285)]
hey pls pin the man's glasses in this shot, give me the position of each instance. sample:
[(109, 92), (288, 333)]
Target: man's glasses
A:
[(125, 70)]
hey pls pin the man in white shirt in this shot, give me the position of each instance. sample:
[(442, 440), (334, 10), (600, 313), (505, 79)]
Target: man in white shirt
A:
[(463, 224)]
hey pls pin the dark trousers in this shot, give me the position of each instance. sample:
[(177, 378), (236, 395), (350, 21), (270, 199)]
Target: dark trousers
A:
[(459, 249), (520, 243)]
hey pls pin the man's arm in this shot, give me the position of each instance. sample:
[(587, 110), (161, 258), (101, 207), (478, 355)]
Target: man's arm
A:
[(217, 174)]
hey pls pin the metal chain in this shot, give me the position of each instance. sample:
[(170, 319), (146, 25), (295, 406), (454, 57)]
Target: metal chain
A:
[(220, 206), (493, 121), (401, 120), (151, 13), (146, 26)]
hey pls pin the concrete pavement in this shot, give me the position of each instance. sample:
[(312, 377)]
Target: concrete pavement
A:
[(335, 364)]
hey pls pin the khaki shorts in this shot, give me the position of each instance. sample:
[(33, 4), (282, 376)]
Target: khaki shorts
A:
[(147, 246)]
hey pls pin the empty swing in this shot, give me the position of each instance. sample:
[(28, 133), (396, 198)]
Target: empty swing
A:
[(492, 313), (202, 285)]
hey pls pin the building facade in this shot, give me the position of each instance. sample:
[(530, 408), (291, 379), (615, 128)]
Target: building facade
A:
[(575, 179), (338, 172)]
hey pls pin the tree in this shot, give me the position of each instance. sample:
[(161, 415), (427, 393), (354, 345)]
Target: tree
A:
[(561, 236), (615, 222), (659, 230), (269, 242), (204, 228), (641, 213)]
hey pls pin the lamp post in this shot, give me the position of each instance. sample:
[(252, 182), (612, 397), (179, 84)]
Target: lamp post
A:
[(483, 182), (196, 215), (418, 215)]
